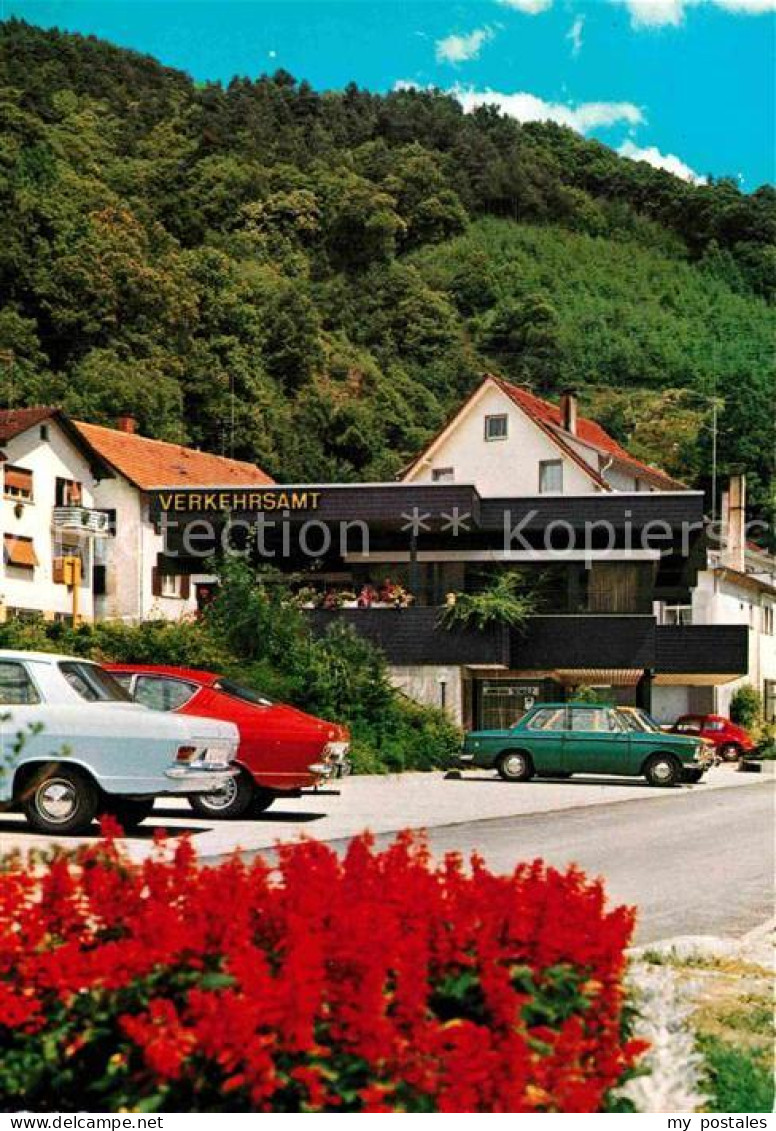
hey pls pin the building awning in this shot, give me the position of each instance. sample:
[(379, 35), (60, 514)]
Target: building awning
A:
[(19, 479), (598, 677), (19, 552), (695, 679)]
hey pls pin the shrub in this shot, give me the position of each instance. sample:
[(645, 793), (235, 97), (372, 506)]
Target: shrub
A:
[(509, 600), (255, 633), (375, 982), (746, 707), (738, 1078)]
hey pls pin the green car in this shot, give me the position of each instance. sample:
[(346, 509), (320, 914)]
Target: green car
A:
[(561, 739)]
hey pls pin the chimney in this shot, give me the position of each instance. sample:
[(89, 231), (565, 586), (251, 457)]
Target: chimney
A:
[(127, 423), (568, 410), (734, 524)]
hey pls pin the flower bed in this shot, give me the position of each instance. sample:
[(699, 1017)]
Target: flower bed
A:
[(377, 982)]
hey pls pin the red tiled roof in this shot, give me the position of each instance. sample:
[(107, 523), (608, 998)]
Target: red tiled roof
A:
[(157, 463), (14, 421), (588, 431)]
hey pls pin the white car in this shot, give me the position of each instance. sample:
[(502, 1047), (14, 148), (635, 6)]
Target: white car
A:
[(74, 745)]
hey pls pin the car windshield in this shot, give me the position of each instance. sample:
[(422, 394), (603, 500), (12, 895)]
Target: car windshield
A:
[(637, 719), (93, 683), (247, 694)]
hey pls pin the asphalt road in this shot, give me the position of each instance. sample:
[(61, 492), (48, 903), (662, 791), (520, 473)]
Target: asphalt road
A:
[(693, 863)]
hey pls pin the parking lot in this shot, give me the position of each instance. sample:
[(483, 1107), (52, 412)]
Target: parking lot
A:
[(386, 804)]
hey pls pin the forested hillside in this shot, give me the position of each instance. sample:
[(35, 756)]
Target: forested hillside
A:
[(312, 280)]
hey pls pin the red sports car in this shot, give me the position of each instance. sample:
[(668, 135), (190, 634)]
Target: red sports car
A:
[(281, 749), (730, 741)]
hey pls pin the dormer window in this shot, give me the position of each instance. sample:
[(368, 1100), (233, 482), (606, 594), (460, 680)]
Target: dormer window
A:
[(496, 427), (443, 475)]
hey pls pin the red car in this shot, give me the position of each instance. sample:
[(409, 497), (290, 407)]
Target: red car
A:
[(730, 741), (282, 750)]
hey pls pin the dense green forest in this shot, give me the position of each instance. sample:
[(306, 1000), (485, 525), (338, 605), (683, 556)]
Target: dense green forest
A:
[(311, 280)]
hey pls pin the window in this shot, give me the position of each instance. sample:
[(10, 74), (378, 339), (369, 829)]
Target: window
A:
[(67, 493), (548, 718), (689, 724), (163, 693), (19, 552), (124, 679), (170, 585), (18, 484), (44, 433), (599, 720), (16, 686), (550, 476), (443, 475), (677, 614), (768, 620), (769, 700), (247, 694), (496, 427), (164, 584), (92, 682), (100, 580)]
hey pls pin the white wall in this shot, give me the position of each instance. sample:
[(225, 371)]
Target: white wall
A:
[(130, 558), (47, 460), (499, 467), (721, 600), (423, 683)]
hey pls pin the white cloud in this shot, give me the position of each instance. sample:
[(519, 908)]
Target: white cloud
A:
[(574, 34), (670, 13), (582, 116), (668, 161), (655, 13), (530, 7), (748, 7), (461, 48)]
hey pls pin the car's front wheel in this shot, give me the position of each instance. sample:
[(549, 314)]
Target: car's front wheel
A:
[(229, 803), (515, 765), (60, 800), (663, 770), (129, 814)]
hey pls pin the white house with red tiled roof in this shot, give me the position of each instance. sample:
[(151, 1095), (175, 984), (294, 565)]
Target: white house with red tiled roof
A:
[(506, 441), (49, 474), (134, 581)]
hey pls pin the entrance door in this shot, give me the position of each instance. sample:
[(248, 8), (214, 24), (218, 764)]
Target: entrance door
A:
[(596, 742)]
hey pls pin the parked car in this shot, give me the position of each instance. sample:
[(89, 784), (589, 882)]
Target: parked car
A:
[(561, 739), (74, 745), (282, 749), (730, 741), (636, 718)]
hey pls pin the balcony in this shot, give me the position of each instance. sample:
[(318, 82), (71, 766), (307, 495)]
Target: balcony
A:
[(414, 636), (712, 653), (83, 520), (588, 642)]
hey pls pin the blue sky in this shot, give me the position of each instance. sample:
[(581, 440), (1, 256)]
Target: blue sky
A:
[(689, 84)]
